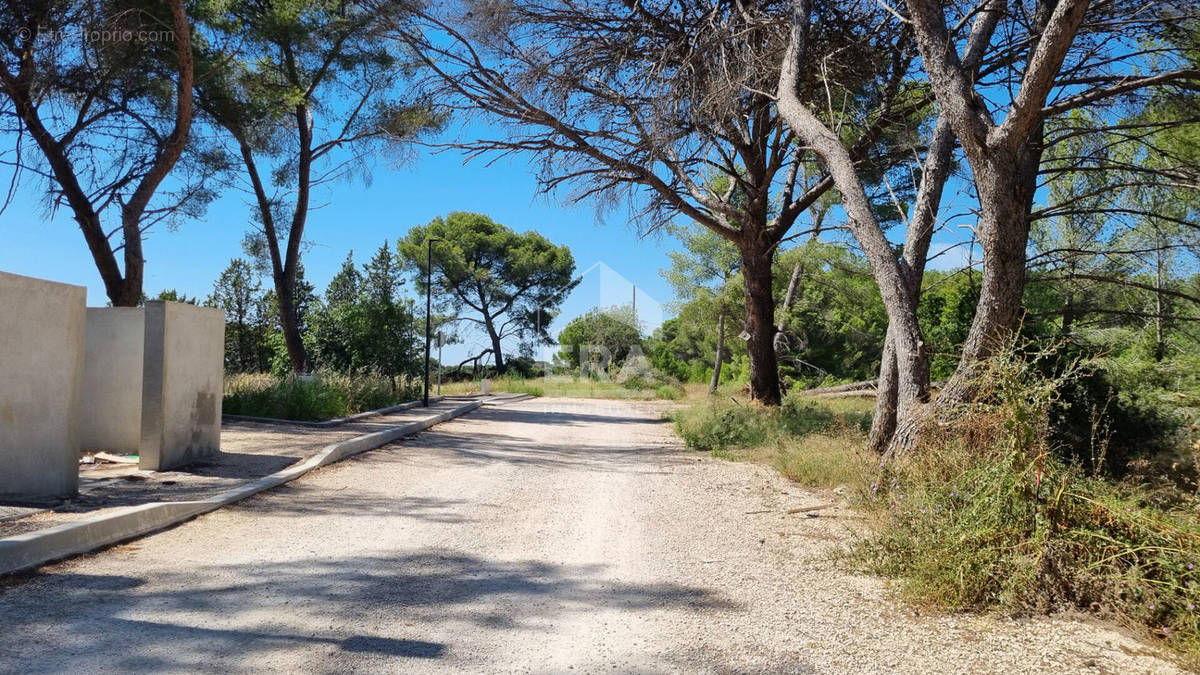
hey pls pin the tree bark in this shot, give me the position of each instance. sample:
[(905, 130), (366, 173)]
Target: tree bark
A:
[(760, 323), (935, 172), (501, 366), (1003, 156), (895, 284), (716, 378), (887, 400), (1006, 184)]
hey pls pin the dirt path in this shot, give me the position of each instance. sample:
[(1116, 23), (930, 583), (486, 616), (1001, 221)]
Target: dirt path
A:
[(544, 536)]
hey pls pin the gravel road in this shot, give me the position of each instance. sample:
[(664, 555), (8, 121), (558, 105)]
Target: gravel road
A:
[(545, 536)]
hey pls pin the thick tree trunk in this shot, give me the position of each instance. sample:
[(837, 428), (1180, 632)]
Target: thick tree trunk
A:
[(1003, 156), (1006, 188), (887, 400), (716, 378), (285, 293), (501, 366), (760, 323)]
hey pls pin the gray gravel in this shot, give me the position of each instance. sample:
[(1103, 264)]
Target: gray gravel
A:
[(544, 536)]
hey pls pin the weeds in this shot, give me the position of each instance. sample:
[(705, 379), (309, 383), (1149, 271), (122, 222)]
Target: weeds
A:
[(986, 513), (571, 387), (718, 426), (808, 441), (321, 397)]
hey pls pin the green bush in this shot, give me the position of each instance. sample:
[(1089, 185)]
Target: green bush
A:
[(638, 383), (667, 392), (321, 397), (987, 514), (717, 427), (800, 416)]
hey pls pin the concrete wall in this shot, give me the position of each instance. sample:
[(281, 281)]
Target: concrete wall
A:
[(183, 373), (42, 327), (112, 380)]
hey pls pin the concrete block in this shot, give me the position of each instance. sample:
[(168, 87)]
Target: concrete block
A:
[(183, 372), (112, 380), (42, 329)]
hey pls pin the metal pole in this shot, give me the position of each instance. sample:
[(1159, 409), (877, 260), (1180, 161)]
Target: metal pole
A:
[(428, 310), (441, 341)]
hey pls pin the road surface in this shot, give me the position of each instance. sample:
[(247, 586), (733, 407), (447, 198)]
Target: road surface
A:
[(545, 536)]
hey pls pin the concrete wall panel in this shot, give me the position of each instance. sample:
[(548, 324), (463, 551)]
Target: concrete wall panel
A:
[(183, 377), (112, 380), (42, 331)]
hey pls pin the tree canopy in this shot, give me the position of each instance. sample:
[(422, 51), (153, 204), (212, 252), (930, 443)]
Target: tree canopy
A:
[(505, 283)]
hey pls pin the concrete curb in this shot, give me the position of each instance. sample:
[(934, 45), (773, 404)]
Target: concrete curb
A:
[(325, 424), (34, 549), (510, 399)]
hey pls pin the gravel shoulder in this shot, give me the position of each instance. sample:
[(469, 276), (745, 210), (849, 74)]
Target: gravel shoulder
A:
[(542, 536)]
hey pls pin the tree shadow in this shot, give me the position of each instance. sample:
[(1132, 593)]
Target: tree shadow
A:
[(474, 445), (303, 499), (222, 617), (595, 413)]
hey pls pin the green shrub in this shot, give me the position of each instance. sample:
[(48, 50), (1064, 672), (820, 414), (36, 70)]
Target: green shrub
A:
[(718, 426), (667, 392), (638, 383), (800, 416), (986, 514)]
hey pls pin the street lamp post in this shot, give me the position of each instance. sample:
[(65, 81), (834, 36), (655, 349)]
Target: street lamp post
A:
[(428, 308)]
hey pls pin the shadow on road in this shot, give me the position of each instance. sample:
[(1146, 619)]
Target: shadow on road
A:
[(223, 617)]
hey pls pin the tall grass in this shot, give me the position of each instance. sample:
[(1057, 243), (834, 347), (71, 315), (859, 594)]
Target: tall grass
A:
[(987, 513), (814, 442), (325, 395)]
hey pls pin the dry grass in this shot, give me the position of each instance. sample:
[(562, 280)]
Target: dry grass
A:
[(816, 460)]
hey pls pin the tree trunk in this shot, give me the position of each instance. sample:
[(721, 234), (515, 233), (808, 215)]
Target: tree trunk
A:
[(501, 366), (789, 299), (935, 172), (1006, 188), (760, 323), (898, 286), (716, 378), (289, 323), (887, 400)]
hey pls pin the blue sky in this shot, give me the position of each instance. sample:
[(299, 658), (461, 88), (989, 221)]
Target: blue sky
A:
[(353, 216), (359, 217)]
